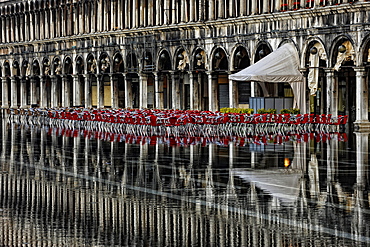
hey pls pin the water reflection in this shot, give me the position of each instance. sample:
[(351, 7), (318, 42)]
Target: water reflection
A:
[(81, 190)]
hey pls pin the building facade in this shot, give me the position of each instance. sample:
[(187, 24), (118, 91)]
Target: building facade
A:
[(178, 54)]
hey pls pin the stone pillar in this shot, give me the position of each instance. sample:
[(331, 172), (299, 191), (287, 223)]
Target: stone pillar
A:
[(43, 93), (194, 92), (175, 91), (33, 90), (253, 9), (100, 91), (88, 99), (278, 5), (158, 88), (362, 96), (23, 93), (221, 9), (114, 90), (233, 94), (184, 14), (211, 9), (4, 91), (128, 93), (143, 96), (76, 90), (265, 6), (212, 93), (173, 11), (54, 101), (66, 92), (332, 93), (100, 16), (192, 11), (31, 25), (14, 93)]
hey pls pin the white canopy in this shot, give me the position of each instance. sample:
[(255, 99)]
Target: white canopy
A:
[(280, 66)]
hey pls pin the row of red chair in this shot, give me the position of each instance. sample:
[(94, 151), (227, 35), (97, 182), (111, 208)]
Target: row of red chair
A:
[(183, 117)]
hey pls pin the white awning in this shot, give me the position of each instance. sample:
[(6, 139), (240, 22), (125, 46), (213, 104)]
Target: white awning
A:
[(282, 65)]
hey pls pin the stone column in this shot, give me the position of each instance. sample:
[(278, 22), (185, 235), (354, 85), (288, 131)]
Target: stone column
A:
[(265, 6), (253, 9), (211, 10), (128, 93), (233, 94), (212, 92), (100, 16), (33, 90), (192, 11), (54, 101), (114, 90), (4, 96), (278, 5), (143, 80), (194, 92), (66, 92), (14, 93), (100, 91), (362, 96), (88, 99), (43, 93), (158, 88), (221, 9), (173, 10), (175, 91), (332, 93), (23, 93), (184, 14), (51, 23), (76, 90)]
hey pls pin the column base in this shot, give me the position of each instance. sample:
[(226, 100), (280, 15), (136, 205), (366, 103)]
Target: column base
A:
[(362, 126), (5, 106), (14, 107)]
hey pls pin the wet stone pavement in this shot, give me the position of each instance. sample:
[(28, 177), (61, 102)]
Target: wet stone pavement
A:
[(63, 188)]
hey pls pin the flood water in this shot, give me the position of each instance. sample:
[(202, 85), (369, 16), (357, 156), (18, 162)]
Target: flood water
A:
[(76, 188)]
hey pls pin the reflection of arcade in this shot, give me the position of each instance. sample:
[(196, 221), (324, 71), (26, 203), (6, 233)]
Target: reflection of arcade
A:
[(114, 190)]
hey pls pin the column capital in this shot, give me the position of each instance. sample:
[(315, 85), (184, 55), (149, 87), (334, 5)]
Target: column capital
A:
[(359, 69), (329, 71)]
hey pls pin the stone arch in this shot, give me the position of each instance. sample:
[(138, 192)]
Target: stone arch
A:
[(343, 57), (164, 60), (16, 68), (91, 63), (147, 61), (46, 66), (118, 64), (199, 59), (364, 52), (68, 66), (104, 63), (7, 68), (181, 59), (262, 49), (80, 65), (240, 58), (220, 60), (132, 62), (56, 66), (336, 49)]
